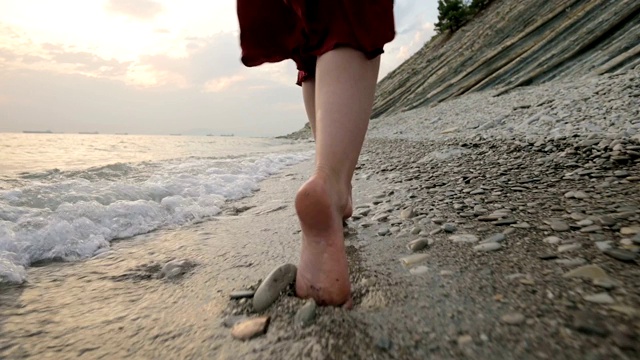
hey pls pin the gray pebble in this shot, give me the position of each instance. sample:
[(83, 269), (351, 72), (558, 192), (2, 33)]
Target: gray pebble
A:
[(241, 294), (419, 270), (559, 226), (552, 240), (504, 222), (450, 228), (306, 314), (499, 237), (600, 298), (590, 229), (513, 319), (463, 238), (621, 254), (419, 244), (571, 262), (407, 213), (490, 246), (585, 222), (271, 287), (568, 247)]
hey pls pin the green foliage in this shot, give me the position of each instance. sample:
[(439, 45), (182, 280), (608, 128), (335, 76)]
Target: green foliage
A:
[(477, 5), (453, 14)]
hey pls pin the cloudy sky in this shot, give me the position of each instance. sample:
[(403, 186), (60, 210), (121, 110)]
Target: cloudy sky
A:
[(154, 67)]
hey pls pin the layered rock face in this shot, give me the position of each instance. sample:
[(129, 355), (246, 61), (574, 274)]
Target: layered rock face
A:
[(516, 43)]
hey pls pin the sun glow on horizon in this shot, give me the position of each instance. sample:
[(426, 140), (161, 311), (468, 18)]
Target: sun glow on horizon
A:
[(111, 40)]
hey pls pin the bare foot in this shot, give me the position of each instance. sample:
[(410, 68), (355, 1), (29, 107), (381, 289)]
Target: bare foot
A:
[(323, 272)]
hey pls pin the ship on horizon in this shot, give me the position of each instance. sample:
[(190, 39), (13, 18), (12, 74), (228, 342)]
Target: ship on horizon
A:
[(37, 132), (89, 132)]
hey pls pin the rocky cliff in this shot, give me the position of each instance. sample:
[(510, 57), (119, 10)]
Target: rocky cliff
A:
[(513, 44)]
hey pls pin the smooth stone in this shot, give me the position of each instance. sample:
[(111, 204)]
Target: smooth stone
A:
[(585, 222), (508, 231), (463, 238), (174, 268), (241, 294), (626, 242), (522, 225), (488, 218), (419, 244), (630, 230), (603, 245), (251, 328), (450, 228), (230, 321), (607, 221), (559, 226), (571, 262), (465, 340), (415, 230), (270, 289), (600, 298), (580, 195), (605, 283), (636, 239), (568, 247), (497, 238), (384, 231), (578, 216), (411, 260), (306, 314), (591, 272), (513, 319), (419, 270), (590, 229), (491, 246), (505, 222), (552, 240), (620, 254), (407, 214)]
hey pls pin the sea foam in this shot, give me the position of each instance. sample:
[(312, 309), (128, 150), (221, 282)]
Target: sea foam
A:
[(73, 216)]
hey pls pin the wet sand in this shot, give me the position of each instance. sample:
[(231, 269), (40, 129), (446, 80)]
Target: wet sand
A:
[(114, 306), (117, 306)]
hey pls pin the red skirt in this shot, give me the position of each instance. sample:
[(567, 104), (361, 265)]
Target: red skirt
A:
[(302, 30)]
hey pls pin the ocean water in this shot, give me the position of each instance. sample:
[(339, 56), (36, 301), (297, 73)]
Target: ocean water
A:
[(66, 196)]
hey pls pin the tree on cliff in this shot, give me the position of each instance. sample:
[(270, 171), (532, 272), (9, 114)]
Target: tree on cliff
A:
[(453, 14)]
